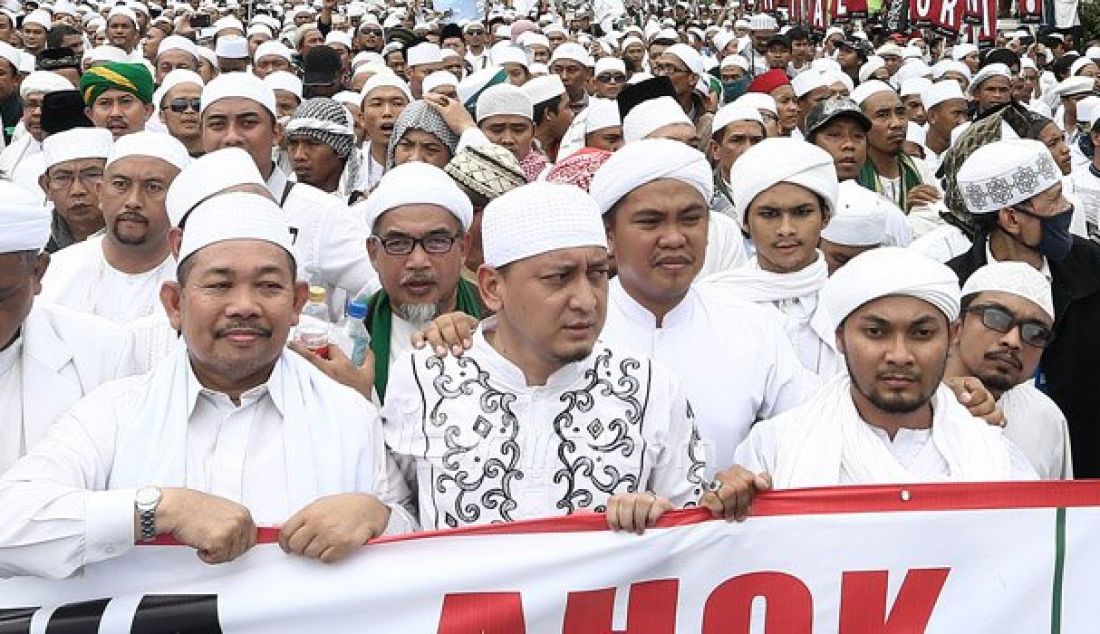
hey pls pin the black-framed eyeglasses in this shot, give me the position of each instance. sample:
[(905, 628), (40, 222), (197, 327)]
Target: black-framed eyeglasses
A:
[(1032, 331), (64, 180), (1031, 212), (180, 105), (608, 78), (433, 243)]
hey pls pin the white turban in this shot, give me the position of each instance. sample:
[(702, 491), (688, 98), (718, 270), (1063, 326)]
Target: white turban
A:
[(651, 115), (940, 92), (152, 144), (539, 218), (859, 219), (244, 85), (272, 47), (986, 72), (1005, 173), (208, 175), (1017, 278), (178, 43), (645, 161), (78, 143), (731, 112), (386, 79), (24, 222), (867, 89), (44, 82), (235, 216), (889, 271), (418, 183), (602, 113), (438, 79), (788, 161), (504, 99)]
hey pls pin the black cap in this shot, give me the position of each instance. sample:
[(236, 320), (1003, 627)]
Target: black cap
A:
[(861, 47), (321, 66), (57, 58), (797, 33), (400, 34), (823, 112), (778, 40), (634, 94), (451, 30), (63, 110)]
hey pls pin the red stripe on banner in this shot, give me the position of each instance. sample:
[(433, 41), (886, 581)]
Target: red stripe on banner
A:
[(821, 501)]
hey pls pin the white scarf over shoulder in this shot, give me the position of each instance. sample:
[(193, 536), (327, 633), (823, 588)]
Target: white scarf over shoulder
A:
[(832, 439)]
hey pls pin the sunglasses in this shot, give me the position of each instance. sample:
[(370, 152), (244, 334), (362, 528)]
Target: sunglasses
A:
[(183, 104), (608, 78), (475, 32), (377, 32), (1032, 332)]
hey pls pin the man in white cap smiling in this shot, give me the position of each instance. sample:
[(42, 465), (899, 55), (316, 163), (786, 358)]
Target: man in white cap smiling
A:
[(50, 357), (1007, 321), (74, 163), (545, 276), (889, 418), (167, 457), (118, 275)]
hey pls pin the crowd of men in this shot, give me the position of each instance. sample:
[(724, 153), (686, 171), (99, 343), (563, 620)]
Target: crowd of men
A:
[(613, 260)]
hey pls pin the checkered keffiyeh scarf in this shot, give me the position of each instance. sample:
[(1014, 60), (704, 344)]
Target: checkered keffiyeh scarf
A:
[(419, 115), (327, 121), (578, 168)]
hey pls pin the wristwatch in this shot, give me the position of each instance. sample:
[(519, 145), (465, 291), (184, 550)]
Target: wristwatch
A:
[(146, 501)]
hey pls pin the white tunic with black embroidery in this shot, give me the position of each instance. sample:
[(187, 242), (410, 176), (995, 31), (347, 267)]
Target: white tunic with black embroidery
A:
[(480, 446)]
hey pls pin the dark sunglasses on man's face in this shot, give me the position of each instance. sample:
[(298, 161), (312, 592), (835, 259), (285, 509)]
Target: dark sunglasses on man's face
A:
[(180, 105), (375, 32), (1032, 332)]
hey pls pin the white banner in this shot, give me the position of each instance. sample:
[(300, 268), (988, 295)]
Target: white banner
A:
[(1000, 558)]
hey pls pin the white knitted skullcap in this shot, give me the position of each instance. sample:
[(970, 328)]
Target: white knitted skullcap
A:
[(208, 175), (77, 143), (539, 218), (1017, 278), (504, 99), (156, 145), (418, 183), (235, 216)]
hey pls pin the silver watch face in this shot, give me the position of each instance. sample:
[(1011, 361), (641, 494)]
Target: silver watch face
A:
[(147, 496)]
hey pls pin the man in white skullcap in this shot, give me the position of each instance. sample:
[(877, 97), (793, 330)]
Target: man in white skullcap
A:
[(545, 277), (422, 60), (50, 357), (554, 121), (506, 115), (654, 196), (1013, 188), (991, 87), (118, 275), (178, 101), (513, 60), (736, 129), (288, 91), (175, 52), (1007, 321), (608, 78), (810, 89), (74, 161), (863, 220), (889, 418), (238, 110), (945, 107), (570, 62), (659, 118), (230, 432), (270, 57), (385, 95), (11, 107), (1086, 175), (603, 127), (22, 160), (783, 210), (684, 67)]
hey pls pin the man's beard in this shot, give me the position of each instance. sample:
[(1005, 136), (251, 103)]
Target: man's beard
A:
[(418, 314), (897, 405)]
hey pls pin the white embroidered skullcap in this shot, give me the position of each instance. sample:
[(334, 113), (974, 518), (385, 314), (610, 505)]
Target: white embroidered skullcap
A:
[(610, 65), (245, 85), (757, 101), (1078, 64), (859, 219), (917, 86), (77, 143), (156, 145), (10, 53), (940, 92), (24, 222), (651, 115), (208, 175), (689, 56), (602, 113), (438, 79), (825, 65), (177, 43), (40, 17), (839, 77), (960, 51), (1073, 86), (1005, 173), (386, 79), (504, 99), (645, 161), (788, 161), (235, 216), (762, 22), (987, 72), (540, 89), (539, 218), (123, 11), (868, 88), (1017, 278), (282, 80), (872, 64), (273, 47), (231, 47), (418, 183), (888, 271), (735, 60), (806, 82), (570, 51), (731, 112), (44, 82), (339, 38), (423, 53), (508, 54)]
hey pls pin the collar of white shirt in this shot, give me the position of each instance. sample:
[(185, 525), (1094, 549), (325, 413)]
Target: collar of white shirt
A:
[(510, 376), (273, 388)]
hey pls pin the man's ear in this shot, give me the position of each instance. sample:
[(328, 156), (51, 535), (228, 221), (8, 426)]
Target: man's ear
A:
[(840, 340), (490, 282), (170, 298), (41, 263), (301, 296), (148, 110)]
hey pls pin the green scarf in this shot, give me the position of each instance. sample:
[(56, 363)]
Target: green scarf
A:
[(379, 323), (910, 178)]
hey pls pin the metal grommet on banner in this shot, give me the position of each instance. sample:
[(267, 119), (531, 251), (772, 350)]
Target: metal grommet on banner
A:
[(905, 495)]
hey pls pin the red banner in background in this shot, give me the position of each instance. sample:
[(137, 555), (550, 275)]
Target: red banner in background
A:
[(1031, 11), (948, 19), (986, 35), (819, 15), (921, 12)]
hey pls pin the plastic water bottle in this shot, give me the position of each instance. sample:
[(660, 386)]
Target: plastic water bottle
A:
[(355, 331), (313, 329)]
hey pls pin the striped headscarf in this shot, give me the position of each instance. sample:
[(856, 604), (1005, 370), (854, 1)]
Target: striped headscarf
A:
[(419, 115), (132, 78), (327, 121)]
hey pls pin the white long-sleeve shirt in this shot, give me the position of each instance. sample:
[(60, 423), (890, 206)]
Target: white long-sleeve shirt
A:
[(735, 361), (484, 447), (60, 509), (1036, 425)]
